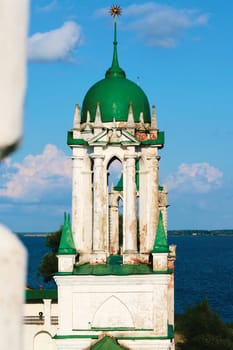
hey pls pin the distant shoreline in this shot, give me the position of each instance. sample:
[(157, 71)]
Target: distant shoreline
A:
[(32, 234), (200, 233), (171, 233)]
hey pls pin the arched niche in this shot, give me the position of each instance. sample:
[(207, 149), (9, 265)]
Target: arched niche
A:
[(43, 340), (113, 313)]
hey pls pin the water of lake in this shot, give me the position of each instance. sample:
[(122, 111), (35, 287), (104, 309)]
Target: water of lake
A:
[(204, 269)]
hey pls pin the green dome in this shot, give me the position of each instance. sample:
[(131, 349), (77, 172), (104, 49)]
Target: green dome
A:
[(114, 95)]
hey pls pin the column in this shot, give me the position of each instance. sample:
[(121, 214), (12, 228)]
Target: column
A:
[(82, 202), (12, 283), (47, 312), (114, 222), (77, 210), (130, 208), (143, 197), (152, 201), (99, 205), (163, 205)]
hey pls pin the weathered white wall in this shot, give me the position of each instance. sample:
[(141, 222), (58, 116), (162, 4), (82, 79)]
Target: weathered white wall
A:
[(39, 336), (12, 282), (99, 301)]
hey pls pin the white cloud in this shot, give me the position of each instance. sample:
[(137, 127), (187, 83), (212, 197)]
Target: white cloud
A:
[(48, 8), (196, 177), (160, 25), (55, 45), (40, 176)]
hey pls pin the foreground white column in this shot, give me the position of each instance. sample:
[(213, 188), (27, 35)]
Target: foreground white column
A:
[(12, 284), (13, 42)]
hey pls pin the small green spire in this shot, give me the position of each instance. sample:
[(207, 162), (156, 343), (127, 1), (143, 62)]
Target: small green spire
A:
[(160, 244), (66, 245), (115, 70)]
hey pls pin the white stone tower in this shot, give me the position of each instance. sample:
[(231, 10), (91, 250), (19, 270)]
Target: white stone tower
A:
[(115, 290)]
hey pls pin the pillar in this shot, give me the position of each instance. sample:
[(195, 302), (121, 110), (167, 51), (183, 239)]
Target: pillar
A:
[(100, 216), (82, 201), (47, 312), (12, 283), (130, 207), (114, 222), (152, 201)]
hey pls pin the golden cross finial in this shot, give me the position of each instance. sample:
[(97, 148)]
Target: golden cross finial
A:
[(115, 10)]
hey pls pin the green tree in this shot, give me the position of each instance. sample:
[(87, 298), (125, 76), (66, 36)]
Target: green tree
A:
[(49, 262), (202, 328)]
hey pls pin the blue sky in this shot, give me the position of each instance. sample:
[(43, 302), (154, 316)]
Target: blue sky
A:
[(181, 54)]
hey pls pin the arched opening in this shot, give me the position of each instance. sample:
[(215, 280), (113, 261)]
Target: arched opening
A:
[(114, 169), (43, 340), (115, 205)]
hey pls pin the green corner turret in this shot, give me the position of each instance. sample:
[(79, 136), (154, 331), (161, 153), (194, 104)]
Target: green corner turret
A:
[(66, 245), (160, 243)]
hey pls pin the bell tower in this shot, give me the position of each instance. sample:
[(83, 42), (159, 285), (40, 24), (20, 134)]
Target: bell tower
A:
[(119, 287), (115, 121)]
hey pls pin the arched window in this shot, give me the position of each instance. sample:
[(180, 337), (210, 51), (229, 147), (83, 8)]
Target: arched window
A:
[(115, 199)]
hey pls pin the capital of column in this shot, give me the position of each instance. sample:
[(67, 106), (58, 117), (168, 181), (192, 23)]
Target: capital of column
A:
[(98, 159), (77, 157), (153, 158), (130, 156), (130, 160), (96, 156)]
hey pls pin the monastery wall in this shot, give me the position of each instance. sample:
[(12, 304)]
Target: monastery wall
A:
[(40, 325)]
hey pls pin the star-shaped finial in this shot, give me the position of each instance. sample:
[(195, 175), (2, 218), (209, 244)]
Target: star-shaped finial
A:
[(115, 10)]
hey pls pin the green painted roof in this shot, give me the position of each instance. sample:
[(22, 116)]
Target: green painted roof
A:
[(116, 269), (160, 244), (40, 294), (107, 343), (66, 245), (114, 93), (72, 141), (159, 141)]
